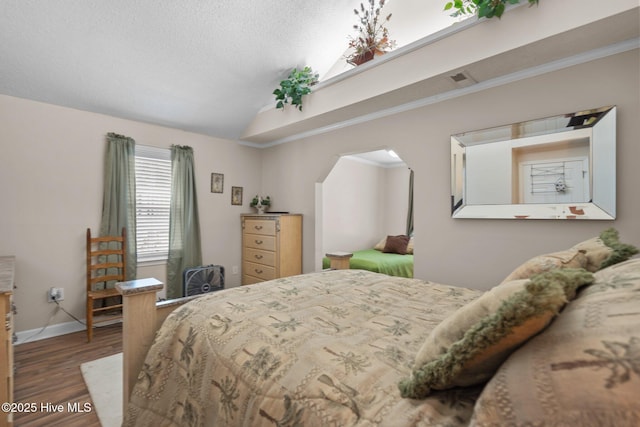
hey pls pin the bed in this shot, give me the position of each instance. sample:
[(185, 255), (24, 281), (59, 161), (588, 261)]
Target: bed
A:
[(555, 344), (392, 255), (379, 262)]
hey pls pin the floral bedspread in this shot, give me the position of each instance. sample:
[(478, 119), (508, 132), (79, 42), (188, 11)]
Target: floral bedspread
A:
[(320, 349)]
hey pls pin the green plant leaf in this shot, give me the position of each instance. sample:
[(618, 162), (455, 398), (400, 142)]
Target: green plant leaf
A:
[(295, 87), (482, 8)]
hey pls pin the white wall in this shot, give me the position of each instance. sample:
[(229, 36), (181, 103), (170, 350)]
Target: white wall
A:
[(490, 168), (469, 252), (352, 198), (51, 179), (396, 200), (362, 203)]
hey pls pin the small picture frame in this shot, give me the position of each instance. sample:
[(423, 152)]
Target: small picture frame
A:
[(236, 195), (217, 183)]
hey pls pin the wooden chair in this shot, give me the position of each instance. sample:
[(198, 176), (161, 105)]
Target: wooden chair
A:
[(106, 265)]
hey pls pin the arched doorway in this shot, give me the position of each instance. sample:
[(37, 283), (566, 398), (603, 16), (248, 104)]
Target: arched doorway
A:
[(363, 198)]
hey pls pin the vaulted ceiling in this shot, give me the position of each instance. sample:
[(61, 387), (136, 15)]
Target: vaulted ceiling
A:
[(201, 66)]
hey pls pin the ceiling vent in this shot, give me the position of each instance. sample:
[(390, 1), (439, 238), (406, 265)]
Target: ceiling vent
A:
[(462, 79)]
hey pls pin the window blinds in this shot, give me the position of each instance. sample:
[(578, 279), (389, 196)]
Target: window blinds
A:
[(153, 198)]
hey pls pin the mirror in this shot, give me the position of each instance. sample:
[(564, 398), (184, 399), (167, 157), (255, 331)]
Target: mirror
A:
[(560, 167)]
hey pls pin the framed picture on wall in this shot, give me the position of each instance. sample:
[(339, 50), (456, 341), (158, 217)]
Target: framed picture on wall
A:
[(236, 195), (217, 182)]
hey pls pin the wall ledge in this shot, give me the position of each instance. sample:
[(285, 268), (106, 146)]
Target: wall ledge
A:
[(409, 77)]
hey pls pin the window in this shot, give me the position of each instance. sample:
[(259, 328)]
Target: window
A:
[(153, 198)]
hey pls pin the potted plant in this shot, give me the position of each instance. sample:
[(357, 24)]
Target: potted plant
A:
[(481, 8), (372, 37), (295, 87), (260, 203)]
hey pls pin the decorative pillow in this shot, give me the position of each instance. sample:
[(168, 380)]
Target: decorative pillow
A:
[(582, 370), (605, 250), (396, 245), (381, 244), (469, 346), (571, 258)]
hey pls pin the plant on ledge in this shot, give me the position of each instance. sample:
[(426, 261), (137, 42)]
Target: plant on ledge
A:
[(372, 36), (481, 8), (295, 87)]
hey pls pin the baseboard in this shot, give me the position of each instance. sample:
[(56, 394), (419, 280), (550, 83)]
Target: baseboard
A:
[(55, 331)]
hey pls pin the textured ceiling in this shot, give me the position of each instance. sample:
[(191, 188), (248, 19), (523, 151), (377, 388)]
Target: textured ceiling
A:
[(206, 66)]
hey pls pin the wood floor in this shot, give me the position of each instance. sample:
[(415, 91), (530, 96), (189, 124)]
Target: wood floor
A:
[(48, 371)]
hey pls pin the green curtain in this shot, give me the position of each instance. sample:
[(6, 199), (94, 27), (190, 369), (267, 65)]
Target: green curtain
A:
[(184, 226), (119, 198), (410, 210)]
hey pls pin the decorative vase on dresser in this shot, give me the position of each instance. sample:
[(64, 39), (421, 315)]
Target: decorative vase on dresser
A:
[(271, 246), (7, 310)]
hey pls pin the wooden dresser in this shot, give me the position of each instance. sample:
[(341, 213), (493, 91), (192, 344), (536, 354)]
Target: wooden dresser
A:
[(7, 267), (271, 246)]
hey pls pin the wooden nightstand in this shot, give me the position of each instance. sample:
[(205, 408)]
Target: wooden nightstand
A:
[(339, 260)]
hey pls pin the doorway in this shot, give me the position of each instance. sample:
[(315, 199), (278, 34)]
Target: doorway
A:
[(363, 198)]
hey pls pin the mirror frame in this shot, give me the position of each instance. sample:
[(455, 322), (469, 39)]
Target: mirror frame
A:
[(601, 131)]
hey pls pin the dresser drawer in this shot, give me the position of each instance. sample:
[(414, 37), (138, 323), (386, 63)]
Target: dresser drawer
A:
[(260, 226), (260, 256), (258, 270), (271, 246), (256, 241)]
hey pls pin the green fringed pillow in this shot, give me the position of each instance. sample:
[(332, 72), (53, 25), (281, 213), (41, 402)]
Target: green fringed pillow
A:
[(605, 250), (471, 344)]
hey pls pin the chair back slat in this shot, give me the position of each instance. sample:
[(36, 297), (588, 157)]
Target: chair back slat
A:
[(106, 265)]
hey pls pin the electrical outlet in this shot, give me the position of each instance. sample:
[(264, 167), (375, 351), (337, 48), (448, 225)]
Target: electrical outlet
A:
[(234, 269), (55, 294)]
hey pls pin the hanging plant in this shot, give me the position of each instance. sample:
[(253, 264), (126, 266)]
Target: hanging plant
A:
[(295, 87), (481, 8), (372, 37)]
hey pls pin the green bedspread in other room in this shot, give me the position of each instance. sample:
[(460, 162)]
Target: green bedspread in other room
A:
[(379, 262)]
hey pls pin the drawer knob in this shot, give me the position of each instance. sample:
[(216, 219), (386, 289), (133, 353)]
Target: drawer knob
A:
[(258, 242), (258, 271), (258, 256), (257, 227)]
